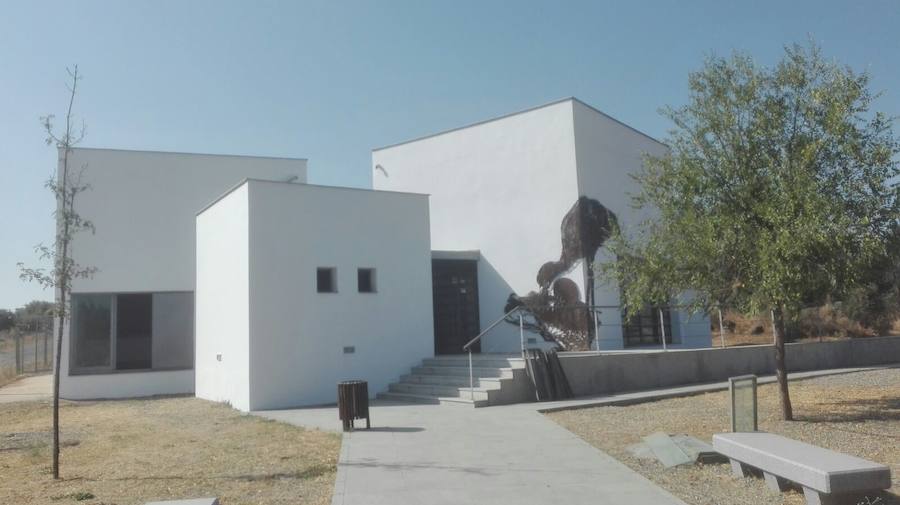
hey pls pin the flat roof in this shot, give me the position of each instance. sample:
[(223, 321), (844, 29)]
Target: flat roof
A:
[(305, 185), (147, 151), (524, 111)]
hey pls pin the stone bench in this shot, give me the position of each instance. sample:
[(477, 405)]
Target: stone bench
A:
[(827, 477), (194, 501)]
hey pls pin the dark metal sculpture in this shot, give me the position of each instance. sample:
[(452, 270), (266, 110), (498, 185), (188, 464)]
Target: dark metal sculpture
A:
[(557, 310)]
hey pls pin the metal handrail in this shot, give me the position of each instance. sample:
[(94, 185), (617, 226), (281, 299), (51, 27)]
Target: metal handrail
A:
[(594, 309), (520, 308), (470, 343)]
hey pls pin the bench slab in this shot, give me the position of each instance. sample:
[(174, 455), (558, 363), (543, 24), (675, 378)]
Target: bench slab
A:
[(194, 501), (812, 467)]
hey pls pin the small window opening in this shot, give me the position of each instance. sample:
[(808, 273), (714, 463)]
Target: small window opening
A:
[(326, 280), (366, 280)]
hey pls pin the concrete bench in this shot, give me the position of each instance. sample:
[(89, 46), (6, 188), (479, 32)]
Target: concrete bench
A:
[(827, 477)]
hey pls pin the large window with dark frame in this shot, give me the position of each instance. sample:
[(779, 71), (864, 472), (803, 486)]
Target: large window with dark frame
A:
[(643, 328), (132, 331)]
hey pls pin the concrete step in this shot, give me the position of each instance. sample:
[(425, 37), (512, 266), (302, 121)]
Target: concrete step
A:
[(414, 398), (453, 380), (480, 361), (442, 391), (464, 371)]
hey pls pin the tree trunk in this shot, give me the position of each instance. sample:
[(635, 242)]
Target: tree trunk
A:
[(778, 331), (62, 282), (61, 320)]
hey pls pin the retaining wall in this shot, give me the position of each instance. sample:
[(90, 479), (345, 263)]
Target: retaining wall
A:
[(603, 373)]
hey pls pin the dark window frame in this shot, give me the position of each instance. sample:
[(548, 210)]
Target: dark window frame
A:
[(111, 367), (643, 329)]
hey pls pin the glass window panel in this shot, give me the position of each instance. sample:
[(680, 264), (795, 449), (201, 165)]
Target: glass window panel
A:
[(91, 318), (173, 330), (134, 330), (644, 328)]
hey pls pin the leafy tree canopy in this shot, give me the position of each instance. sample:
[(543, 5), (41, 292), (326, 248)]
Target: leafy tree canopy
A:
[(35, 315), (776, 192)]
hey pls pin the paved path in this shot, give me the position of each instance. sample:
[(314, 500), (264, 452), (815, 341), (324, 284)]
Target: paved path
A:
[(37, 387), (430, 454)]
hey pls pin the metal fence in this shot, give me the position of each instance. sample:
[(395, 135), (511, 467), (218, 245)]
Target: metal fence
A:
[(31, 347), (594, 328)]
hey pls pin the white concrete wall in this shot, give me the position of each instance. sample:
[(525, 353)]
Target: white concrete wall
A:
[(143, 205), (606, 153), (501, 187), (297, 335), (222, 298)]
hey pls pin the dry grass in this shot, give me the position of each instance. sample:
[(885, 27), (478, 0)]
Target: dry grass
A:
[(818, 323), (7, 374), (130, 452), (857, 414)]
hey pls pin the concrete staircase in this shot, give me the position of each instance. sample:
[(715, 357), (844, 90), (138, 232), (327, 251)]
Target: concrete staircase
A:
[(499, 379)]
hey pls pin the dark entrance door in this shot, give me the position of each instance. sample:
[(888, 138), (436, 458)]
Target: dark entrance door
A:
[(455, 285)]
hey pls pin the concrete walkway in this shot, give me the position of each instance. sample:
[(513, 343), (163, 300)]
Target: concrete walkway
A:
[(442, 454), (431, 454), (36, 387)]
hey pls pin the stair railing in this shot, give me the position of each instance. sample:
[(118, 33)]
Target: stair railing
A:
[(477, 338), (595, 311), (521, 309)]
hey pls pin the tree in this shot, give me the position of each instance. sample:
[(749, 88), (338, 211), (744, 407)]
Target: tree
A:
[(875, 303), (7, 319), (775, 193), (66, 185), (34, 315)]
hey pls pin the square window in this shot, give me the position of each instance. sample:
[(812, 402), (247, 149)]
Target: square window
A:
[(326, 280), (366, 280)]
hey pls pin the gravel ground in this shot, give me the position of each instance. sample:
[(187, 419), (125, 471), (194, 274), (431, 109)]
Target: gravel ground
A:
[(856, 413)]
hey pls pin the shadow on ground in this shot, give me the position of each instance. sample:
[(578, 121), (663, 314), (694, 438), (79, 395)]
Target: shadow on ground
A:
[(858, 410), (390, 429)]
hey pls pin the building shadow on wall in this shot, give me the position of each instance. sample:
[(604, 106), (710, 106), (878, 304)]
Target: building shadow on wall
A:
[(493, 291)]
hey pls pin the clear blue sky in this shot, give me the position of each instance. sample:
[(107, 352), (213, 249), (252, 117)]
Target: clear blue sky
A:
[(330, 80)]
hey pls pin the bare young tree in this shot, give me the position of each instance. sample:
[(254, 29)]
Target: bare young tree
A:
[(65, 185)]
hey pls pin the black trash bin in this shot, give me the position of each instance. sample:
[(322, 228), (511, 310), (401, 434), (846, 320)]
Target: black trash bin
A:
[(353, 402)]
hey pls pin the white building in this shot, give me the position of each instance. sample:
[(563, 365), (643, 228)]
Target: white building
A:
[(301, 286), (500, 190), (519, 205), (132, 326)]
